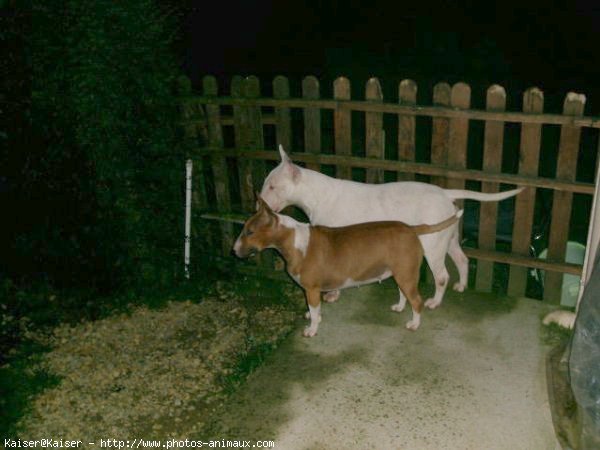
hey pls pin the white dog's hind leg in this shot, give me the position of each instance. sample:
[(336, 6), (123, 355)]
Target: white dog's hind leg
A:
[(399, 307), (441, 277), (461, 261), (435, 248)]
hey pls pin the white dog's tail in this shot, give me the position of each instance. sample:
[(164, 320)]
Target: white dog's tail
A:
[(457, 194), (428, 229)]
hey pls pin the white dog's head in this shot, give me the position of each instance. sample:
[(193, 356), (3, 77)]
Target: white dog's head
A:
[(280, 185)]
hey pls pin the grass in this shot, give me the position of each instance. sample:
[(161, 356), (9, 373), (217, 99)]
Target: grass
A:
[(555, 335), (23, 378), (18, 384)]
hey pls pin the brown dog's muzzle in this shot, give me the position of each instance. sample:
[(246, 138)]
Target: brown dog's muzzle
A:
[(246, 252), (243, 251)]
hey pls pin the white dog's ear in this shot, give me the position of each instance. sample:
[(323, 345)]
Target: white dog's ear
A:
[(284, 157), (294, 172), (292, 169)]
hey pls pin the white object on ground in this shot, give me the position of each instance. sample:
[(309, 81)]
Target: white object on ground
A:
[(565, 319)]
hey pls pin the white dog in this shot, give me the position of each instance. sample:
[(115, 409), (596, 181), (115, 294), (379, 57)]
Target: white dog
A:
[(331, 202)]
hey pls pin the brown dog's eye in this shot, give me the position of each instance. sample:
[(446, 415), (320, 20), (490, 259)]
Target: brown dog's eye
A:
[(249, 232)]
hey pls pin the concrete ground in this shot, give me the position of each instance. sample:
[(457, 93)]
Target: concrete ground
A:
[(471, 377)]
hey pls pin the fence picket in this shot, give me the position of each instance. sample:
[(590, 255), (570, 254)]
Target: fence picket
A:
[(255, 141), (374, 130), (218, 163), (283, 121), (460, 98), (492, 162), (531, 137), (255, 137), (342, 124), (566, 169), (240, 127), (199, 196), (407, 93), (312, 119), (440, 131)]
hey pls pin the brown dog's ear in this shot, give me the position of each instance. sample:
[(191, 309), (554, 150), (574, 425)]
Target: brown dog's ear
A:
[(256, 202), (261, 205)]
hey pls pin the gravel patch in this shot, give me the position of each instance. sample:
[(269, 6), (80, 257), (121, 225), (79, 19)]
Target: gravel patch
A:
[(152, 373)]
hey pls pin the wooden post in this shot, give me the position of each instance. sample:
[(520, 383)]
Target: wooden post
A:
[(184, 89), (407, 93), (199, 197), (566, 169), (440, 138), (283, 132), (312, 120), (374, 131), (219, 163), (283, 121), (342, 120), (241, 139), (254, 140), (531, 137), (492, 162), (460, 97), (254, 127)]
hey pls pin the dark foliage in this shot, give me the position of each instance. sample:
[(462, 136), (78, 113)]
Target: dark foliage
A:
[(93, 174)]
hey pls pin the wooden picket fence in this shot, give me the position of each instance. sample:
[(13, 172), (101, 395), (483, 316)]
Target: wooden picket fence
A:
[(234, 138)]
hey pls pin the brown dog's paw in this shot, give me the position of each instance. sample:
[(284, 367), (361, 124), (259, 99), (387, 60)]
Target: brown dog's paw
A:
[(412, 325), (309, 332)]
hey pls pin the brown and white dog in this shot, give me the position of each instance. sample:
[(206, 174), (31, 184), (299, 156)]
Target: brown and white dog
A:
[(337, 203), (322, 259)]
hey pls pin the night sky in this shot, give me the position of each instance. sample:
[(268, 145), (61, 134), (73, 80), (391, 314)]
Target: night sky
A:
[(516, 44)]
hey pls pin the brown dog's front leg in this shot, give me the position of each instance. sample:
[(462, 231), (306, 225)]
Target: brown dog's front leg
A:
[(313, 298)]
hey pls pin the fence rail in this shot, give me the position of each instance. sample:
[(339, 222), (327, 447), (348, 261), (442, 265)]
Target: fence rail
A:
[(407, 110), (405, 166), (233, 137)]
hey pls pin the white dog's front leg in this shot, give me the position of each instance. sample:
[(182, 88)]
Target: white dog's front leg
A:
[(331, 296)]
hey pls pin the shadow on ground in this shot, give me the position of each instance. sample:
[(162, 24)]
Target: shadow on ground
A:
[(248, 414)]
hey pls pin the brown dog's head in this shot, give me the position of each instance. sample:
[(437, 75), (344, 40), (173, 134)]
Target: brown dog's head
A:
[(258, 231)]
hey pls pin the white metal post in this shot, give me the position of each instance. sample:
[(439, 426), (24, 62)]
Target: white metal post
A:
[(188, 216)]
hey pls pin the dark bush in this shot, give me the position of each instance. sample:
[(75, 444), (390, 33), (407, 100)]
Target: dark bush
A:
[(94, 171)]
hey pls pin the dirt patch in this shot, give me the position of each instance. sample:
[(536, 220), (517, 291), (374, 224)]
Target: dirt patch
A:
[(156, 373)]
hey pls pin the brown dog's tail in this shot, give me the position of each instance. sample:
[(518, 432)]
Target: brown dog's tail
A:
[(427, 229)]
